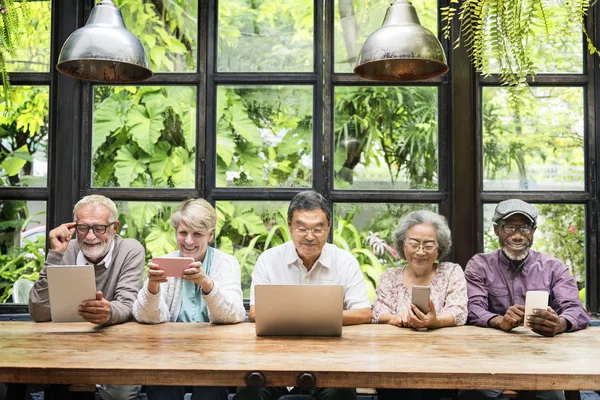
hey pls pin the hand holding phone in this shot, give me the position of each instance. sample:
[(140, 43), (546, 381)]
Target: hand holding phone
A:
[(535, 299), (173, 266), (420, 298)]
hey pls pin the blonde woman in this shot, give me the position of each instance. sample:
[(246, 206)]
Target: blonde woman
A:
[(210, 290)]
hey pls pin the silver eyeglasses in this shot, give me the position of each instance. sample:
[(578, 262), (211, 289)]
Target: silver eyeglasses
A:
[(511, 228), (414, 245)]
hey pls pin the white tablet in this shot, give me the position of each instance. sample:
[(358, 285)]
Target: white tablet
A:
[(68, 287)]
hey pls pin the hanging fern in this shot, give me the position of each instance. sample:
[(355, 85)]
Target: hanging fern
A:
[(10, 19), (503, 31)]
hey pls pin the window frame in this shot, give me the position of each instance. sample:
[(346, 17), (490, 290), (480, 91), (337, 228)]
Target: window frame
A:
[(460, 195)]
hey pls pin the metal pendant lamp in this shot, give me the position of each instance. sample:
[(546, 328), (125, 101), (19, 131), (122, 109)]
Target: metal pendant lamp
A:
[(104, 50), (402, 49)]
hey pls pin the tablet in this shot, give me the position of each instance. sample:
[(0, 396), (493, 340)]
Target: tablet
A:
[(68, 287), (173, 266)]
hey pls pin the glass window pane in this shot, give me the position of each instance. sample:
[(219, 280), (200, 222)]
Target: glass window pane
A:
[(265, 36), (386, 138), (24, 137), (144, 136), (356, 20), (557, 47), (167, 33), (33, 52), (264, 136), (22, 244), (247, 228), (560, 233), (539, 148), (148, 222), (365, 230)]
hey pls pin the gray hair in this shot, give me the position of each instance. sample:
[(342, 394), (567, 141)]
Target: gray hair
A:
[(96, 200), (198, 214), (423, 217), (309, 200)]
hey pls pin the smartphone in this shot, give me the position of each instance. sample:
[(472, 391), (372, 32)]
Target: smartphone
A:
[(420, 298), (535, 299), (173, 266)]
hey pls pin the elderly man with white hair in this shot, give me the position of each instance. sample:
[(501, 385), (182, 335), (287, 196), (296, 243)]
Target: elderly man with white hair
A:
[(118, 265)]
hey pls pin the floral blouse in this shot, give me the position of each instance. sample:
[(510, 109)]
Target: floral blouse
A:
[(448, 292)]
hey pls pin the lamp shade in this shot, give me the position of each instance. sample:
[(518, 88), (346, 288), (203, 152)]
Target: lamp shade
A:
[(402, 49), (104, 50)]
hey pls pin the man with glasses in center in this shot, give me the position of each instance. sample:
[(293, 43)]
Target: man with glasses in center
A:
[(309, 259), (497, 283), (118, 265)]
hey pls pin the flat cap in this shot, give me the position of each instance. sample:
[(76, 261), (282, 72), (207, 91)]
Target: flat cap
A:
[(509, 207)]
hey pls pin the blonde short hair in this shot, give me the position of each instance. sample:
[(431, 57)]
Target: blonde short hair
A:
[(96, 200), (198, 214)]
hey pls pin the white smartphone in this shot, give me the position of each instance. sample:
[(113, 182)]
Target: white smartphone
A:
[(173, 266), (535, 299), (420, 298)]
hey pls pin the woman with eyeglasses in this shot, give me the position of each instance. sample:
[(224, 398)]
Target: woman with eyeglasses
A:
[(422, 238), (209, 290)]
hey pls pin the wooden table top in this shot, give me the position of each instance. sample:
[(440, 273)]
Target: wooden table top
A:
[(365, 356)]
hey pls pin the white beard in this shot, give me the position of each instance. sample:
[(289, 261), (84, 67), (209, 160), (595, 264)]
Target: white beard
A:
[(96, 252), (516, 255)]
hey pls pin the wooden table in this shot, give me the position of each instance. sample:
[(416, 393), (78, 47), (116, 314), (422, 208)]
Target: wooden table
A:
[(365, 356)]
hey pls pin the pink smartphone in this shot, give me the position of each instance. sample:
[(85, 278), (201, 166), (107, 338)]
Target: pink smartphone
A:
[(173, 266)]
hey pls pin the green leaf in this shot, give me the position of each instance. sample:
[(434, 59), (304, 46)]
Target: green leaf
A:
[(225, 245), (160, 240), (243, 125), (161, 165), (225, 147), (184, 168), (108, 117), (142, 213), (145, 124), (127, 167), (15, 161)]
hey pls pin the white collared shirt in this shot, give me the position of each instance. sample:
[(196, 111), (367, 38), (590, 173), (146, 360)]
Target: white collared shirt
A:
[(281, 265), (81, 260)]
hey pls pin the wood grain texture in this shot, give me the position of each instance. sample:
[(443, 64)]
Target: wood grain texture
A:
[(365, 356)]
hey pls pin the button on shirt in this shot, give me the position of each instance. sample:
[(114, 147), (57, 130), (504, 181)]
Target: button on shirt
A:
[(281, 265), (493, 287)]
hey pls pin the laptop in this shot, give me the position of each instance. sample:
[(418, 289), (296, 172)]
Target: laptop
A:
[(68, 287), (298, 310)]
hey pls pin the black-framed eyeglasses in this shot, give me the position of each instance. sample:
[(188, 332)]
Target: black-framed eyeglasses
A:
[(509, 229), (315, 231), (83, 229)]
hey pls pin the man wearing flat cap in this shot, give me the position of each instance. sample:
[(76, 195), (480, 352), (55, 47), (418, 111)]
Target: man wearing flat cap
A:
[(497, 283)]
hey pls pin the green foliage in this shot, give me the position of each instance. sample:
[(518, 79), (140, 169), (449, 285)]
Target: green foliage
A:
[(563, 236), (391, 126), (25, 262), (502, 35), (10, 36), (144, 137), (263, 135)]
